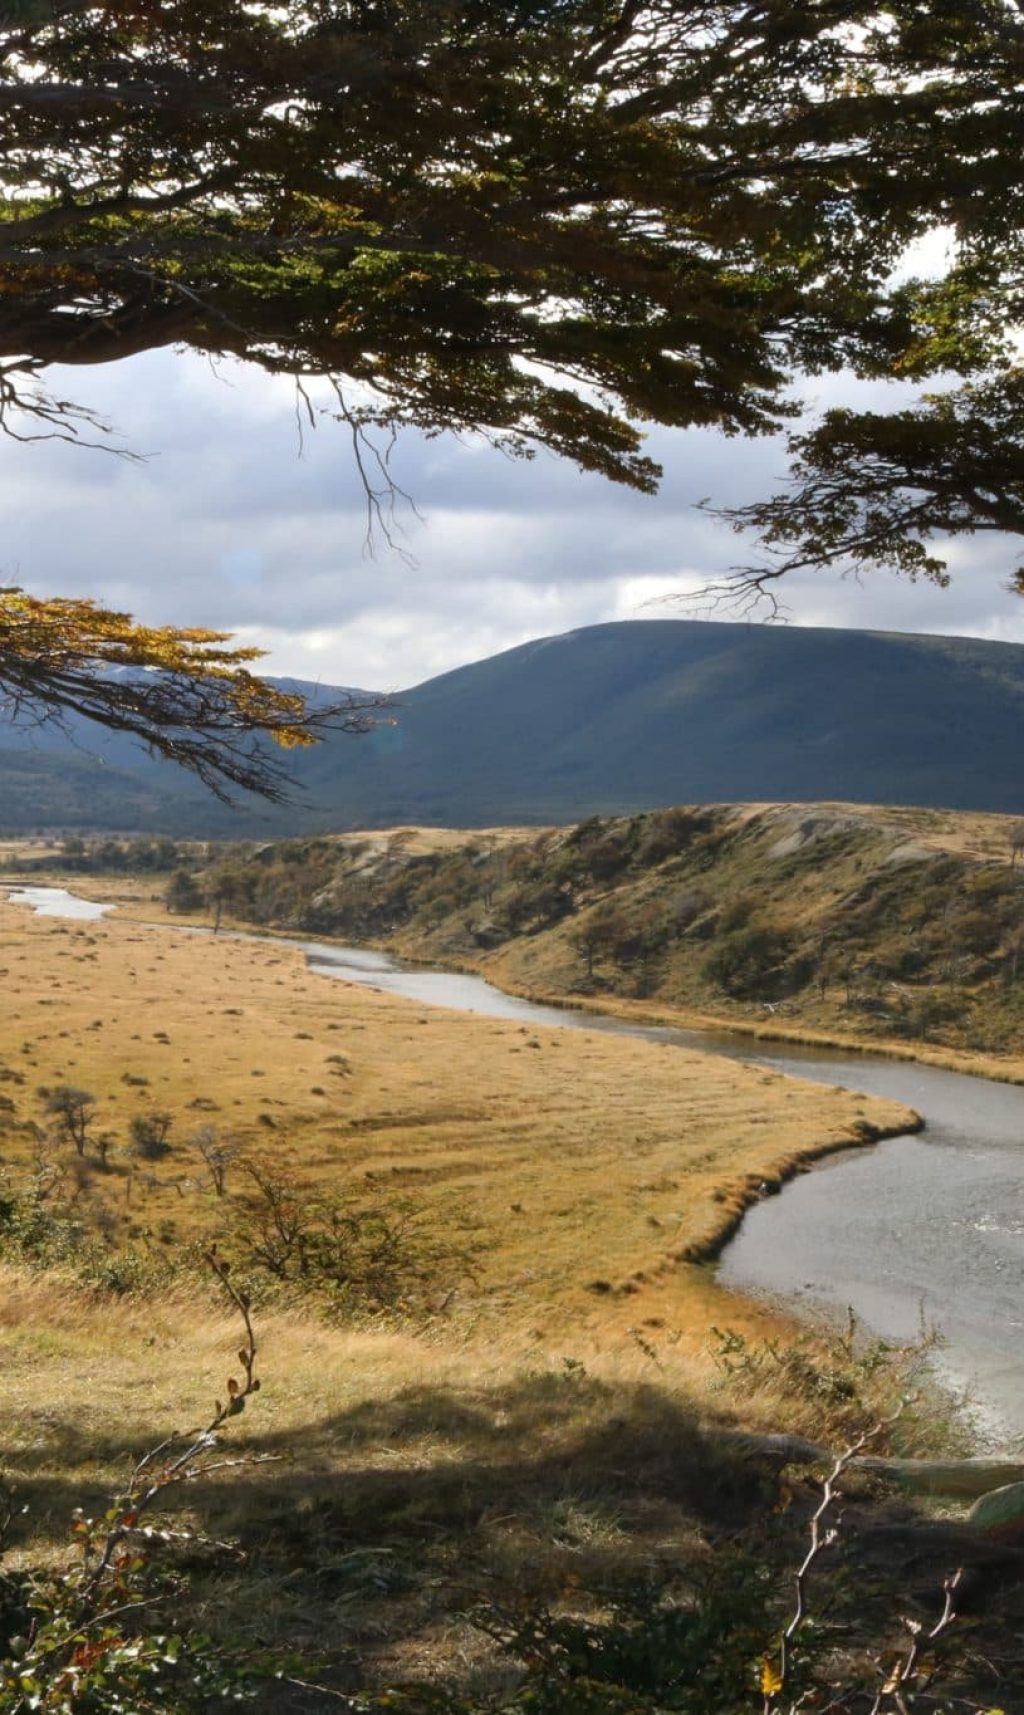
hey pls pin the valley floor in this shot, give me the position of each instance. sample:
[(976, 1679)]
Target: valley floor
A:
[(573, 1171), (547, 1422)]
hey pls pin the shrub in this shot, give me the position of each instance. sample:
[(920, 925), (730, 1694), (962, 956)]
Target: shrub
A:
[(736, 913), (606, 857), (537, 904), (354, 1256), (149, 1135), (669, 832), (184, 893), (977, 931), (751, 963), (88, 1637), (696, 1654)]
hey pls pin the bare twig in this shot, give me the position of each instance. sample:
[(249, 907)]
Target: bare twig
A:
[(323, 1690), (158, 1470), (905, 1670), (822, 1537), (382, 492)]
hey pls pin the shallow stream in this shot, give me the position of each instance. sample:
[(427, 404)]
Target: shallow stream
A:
[(57, 902)]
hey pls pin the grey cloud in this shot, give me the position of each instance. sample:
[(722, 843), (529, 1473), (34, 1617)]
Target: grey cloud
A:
[(226, 526)]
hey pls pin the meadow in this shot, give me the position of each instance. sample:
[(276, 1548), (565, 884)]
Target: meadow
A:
[(558, 1163), (541, 1410)]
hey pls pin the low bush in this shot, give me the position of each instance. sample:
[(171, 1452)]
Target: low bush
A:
[(352, 1256), (751, 963), (97, 1635)]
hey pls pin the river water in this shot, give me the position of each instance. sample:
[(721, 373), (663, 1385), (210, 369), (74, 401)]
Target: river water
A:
[(925, 1229), (57, 902)]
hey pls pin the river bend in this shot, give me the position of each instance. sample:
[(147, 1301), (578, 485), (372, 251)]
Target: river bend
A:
[(918, 1229)]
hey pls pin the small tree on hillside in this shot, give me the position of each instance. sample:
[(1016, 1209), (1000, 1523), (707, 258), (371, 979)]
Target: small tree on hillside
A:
[(218, 1153), (104, 1144), (149, 1135), (73, 1110), (749, 962), (183, 892), (597, 935)]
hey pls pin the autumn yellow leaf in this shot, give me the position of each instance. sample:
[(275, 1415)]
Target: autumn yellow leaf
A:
[(186, 693), (771, 1677)]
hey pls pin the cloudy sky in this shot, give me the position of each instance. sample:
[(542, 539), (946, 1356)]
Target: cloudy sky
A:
[(227, 523)]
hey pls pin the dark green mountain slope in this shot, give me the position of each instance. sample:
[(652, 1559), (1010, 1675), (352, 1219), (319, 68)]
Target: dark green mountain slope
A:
[(624, 717), (42, 789), (630, 716)]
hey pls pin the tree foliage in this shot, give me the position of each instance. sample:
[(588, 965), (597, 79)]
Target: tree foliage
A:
[(548, 221), (181, 692), (872, 490)]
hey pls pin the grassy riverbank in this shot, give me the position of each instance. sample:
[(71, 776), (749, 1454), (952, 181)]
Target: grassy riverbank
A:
[(570, 1169)]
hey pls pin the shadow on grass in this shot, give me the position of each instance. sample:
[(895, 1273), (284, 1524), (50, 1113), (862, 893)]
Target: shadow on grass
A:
[(374, 1523), (376, 1533)]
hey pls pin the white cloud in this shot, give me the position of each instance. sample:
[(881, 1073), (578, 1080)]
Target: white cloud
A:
[(226, 525)]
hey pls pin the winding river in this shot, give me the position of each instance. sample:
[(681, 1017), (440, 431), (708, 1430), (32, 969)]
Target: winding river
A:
[(919, 1229), (923, 1229)]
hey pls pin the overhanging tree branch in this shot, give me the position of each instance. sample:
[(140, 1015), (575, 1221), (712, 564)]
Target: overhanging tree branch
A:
[(874, 491), (549, 224), (181, 693)]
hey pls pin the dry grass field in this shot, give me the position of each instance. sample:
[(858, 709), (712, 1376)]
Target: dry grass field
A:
[(564, 1163), (412, 1474), (550, 1427)]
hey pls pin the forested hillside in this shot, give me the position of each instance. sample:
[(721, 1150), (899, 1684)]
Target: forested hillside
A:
[(894, 924)]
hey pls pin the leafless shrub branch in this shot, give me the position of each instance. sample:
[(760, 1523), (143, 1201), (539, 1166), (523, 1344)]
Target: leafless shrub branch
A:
[(823, 1534)]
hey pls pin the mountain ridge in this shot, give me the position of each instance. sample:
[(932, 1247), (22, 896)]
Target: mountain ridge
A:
[(628, 716)]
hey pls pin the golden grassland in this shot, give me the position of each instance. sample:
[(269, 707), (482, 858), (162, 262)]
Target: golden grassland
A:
[(558, 1159), (539, 1435), (980, 834)]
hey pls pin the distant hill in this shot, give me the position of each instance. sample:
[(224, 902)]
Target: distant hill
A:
[(870, 923), (619, 718)]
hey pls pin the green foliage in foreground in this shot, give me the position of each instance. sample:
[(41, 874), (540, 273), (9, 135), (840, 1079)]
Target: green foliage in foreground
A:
[(700, 1658), (59, 1661)]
